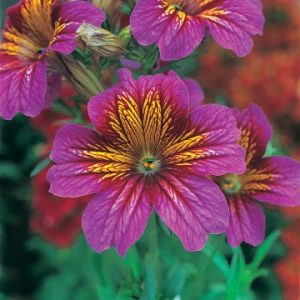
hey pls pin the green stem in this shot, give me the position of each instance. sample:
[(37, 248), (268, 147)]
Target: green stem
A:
[(152, 263)]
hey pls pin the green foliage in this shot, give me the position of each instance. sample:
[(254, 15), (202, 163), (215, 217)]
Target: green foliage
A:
[(40, 167), (241, 275)]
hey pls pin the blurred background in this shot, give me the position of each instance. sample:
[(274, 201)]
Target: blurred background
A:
[(43, 253)]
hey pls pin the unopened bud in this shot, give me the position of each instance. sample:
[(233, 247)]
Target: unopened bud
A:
[(125, 34), (82, 79), (112, 7), (100, 41)]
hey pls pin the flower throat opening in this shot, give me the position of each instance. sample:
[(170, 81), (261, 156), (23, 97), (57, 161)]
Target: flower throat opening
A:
[(148, 165), (190, 7), (231, 183)]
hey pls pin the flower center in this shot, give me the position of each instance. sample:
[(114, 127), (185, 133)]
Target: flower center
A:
[(190, 7), (148, 165), (231, 183)]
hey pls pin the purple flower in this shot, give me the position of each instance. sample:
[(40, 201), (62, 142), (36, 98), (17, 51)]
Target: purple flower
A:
[(34, 30), (274, 180), (179, 26), (148, 151)]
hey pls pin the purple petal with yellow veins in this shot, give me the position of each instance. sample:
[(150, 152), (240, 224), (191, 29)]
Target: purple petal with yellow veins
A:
[(133, 93), (83, 161), (181, 37), (148, 21), (117, 216), (216, 152), (276, 181), (22, 89), (179, 27), (256, 132), (192, 207), (246, 222), (233, 22)]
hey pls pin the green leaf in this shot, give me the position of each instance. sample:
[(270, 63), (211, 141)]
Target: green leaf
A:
[(150, 280), (134, 262), (234, 276), (40, 167), (176, 279), (263, 250), (218, 258)]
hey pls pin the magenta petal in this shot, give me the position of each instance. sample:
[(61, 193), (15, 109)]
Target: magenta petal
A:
[(256, 132), (53, 88), (22, 89), (79, 12), (64, 42), (130, 63), (170, 88), (71, 177), (234, 29), (148, 21), (180, 38), (247, 221), (221, 153), (195, 91), (282, 181), (258, 3), (192, 207), (117, 216)]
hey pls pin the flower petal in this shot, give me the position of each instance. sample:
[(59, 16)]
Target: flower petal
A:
[(232, 22), (247, 221), (213, 150), (68, 17), (117, 216), (132, 94), (53, 88), (83, 161), (181, 37), (256, 132), (22, 89), (176, 34), (148, 21), (195, 91), (192, 207), (275, 180)]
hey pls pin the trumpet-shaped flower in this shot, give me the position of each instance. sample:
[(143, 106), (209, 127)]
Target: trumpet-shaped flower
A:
[(148, 151), (274, 180), (34, 30), (179, 26)]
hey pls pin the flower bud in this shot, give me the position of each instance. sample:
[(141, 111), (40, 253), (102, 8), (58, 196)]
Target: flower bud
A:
[(83, 80), (112, 7), (125, 34), (100, 41)]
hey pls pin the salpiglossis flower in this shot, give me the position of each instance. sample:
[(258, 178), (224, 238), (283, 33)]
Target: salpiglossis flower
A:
[(179, 26), (274, 180), (149, 150), (34, 31)]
